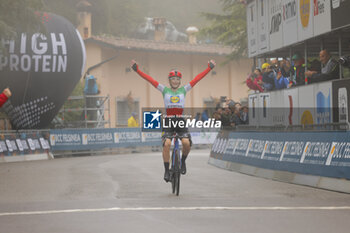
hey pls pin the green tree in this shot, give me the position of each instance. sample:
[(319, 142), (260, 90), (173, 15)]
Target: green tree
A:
[(18, 15), (228, 28)]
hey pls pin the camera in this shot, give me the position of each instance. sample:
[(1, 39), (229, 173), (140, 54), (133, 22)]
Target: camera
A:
[(344, 61), (275, 68)]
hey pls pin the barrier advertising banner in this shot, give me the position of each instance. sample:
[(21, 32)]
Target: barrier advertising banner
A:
[(252, 29), (94, 139), (14, 144), (320, 154), (263, 26)]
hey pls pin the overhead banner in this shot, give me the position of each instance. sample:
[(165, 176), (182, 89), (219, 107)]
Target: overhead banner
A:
[(322, 17), (305, 19), (252, 30), (340, 13), (290, 22), (263, 26), (275, 17)]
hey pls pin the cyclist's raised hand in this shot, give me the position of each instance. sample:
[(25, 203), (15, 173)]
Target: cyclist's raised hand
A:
[(134, 65), (211, 64), (7, 92)]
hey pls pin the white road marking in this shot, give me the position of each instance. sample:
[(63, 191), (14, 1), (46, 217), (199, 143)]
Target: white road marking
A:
[(175, 208)]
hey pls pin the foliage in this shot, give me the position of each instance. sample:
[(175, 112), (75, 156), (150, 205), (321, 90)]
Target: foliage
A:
[(18, 15), (228, 28), (74, 116)]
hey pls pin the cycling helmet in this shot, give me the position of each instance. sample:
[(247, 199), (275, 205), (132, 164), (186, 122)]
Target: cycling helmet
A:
[(175, 73)]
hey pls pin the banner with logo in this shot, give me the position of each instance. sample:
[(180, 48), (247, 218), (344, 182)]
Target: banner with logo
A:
[(323, 100), (305, 19), (291, 106), (320, 154), (253, 103), (94, 139), (275, 17), (263, 26), (290, 22), (322, 17), (341, 100), (252, 28), (24, 143)]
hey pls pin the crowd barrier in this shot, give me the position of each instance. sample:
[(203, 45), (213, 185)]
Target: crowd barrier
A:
[(95, 139), (319, 159)]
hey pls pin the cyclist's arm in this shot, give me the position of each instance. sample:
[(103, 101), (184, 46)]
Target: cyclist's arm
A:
[(211, 65), (147, 77), (3, 99)]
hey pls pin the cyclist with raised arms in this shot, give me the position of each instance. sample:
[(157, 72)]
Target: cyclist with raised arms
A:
[(174, 101)]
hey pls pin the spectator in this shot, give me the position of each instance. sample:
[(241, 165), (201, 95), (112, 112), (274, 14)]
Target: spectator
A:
[(315, 65), (244, 115), (286, 68), (226, 117), (298, 69), (329, 71), (236, 117), (205, 115), (282, 82), (4, 96), (238, 106), (254, 81), (198, 116), (133, 120), (268, 77), (91, 87)]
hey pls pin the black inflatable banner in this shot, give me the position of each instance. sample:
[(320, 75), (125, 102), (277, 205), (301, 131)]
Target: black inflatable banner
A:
[(41, 70)]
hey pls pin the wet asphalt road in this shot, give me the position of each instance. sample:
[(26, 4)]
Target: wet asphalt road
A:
[(126, 193)]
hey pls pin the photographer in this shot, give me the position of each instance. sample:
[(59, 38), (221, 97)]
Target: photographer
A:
[(4, 96)]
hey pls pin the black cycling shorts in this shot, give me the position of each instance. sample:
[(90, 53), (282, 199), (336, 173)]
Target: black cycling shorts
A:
[(169, 132)]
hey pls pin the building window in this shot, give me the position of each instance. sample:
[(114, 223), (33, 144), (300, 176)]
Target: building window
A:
[(86, 32), (124, 110)]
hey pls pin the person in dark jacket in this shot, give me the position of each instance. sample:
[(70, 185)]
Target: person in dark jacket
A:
[(298, 70), (268, 77), (329, 71)]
